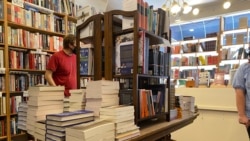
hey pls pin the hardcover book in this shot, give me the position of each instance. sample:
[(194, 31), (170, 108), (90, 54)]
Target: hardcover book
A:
[(70, 122), (70, 115)]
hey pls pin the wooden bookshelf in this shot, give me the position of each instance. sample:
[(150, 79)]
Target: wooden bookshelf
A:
[(137, 78), (96, 40), (7, 47)]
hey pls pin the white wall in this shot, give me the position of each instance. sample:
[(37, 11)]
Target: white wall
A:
[(100, 4), (218, 119)]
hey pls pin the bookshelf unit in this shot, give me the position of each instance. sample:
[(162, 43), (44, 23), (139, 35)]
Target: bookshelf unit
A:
[(96, 40), (234, 45), (137, 77), (27, 46), (191, 56)]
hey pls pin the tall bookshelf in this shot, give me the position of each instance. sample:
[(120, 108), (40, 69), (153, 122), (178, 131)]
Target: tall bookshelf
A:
[(96, 42), (138, 77), (32, 39)]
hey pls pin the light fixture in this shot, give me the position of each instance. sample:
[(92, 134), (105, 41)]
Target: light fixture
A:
[(196, 11), (186, 8), (175, 6), (226, 4)]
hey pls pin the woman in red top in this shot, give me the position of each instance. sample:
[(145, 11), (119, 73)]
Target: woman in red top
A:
[(61, 69)]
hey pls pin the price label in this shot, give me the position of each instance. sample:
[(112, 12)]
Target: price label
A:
[(18, 3)]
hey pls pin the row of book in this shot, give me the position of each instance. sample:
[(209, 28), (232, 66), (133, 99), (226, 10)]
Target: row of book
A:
[(234, 39), (152, 101), (195, 47), (194, 61), (152, 60), (20, 81), (155, 21), (34, 40), (28, 60), (35, 19), (234, 53), (68, 7)]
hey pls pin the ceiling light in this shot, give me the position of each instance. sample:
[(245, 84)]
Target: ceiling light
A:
[(191, 30), (196, 11), (226, 4), (175, 8), (186, 8)]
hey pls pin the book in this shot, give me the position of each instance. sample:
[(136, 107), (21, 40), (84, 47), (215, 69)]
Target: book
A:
[(89, 130), (70, 115), (86, 61), (1, 58), (46, 88), (117, 110), (70, 122), (1, 10)]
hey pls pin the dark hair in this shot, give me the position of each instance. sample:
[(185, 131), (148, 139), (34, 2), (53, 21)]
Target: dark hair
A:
[(68, 39)]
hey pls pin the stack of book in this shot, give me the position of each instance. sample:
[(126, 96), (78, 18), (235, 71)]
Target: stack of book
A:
[(57, 123), (77, 100), (40, 130), (123, 117), (43, 100), (102, 93), (99, 130), (22, 116), (66, 104)]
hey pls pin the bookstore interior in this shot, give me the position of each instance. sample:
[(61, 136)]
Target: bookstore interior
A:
[(147, 70)]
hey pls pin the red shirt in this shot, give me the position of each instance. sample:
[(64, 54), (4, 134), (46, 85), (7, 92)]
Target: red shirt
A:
[(64, 70)]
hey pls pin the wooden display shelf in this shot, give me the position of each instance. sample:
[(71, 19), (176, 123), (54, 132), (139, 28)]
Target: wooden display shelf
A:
[(161, 129)]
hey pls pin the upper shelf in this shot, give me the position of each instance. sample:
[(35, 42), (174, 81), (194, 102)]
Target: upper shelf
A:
[(195, 41), (153, 39)]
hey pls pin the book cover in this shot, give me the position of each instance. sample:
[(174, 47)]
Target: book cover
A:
[(86, 61), (91, 129), (70, 115), (126, 57)]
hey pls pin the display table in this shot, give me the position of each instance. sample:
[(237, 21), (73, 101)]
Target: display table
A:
[(154, 130)]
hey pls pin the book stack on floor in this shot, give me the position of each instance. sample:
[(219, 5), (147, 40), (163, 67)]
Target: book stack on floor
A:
[(40, 130), (57, 123), (22, 116), (77, 100), (99, 130), (43, 100), (123, 118), (101, 93)]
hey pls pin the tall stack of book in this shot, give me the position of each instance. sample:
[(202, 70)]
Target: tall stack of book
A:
[(57, 123), (40, 130), (22, 116), (99, 130), (43, 100), (77, 99), (101, 93), (123, 117)]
